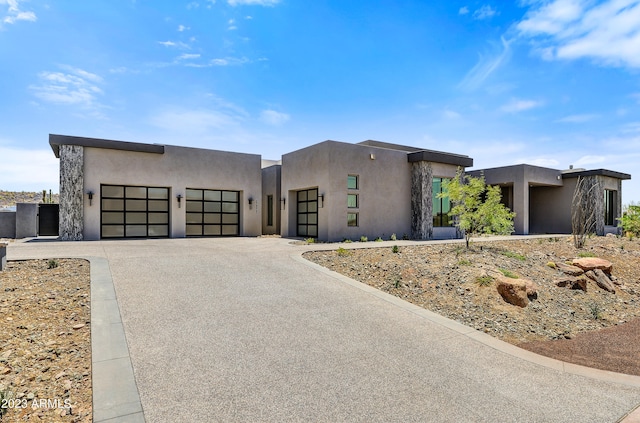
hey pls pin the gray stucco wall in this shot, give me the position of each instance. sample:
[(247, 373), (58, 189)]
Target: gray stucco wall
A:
[(8, 224), (26, 220), (271, 178), (71, 223), (178, 168)]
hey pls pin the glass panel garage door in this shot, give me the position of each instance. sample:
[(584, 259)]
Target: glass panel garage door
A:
[(134, 212), (213, 212), (308, 212)]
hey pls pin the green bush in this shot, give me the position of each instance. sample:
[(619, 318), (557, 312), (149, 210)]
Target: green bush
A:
[(583, 254), (511, 254), (508, 273), (393, 237), (52, 264), (464, 262), (364, 239), (484, 280), (630, 221), (378, 239), (395, 249), (343, 252)]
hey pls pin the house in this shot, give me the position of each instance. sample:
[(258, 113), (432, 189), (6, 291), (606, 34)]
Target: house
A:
[(331, 191), (116, 189), (541, 197)]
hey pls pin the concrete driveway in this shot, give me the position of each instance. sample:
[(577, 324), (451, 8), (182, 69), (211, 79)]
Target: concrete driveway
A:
[(242, 329)]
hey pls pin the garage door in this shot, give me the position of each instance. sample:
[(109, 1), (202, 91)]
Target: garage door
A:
[(134, 212), (212, 212)]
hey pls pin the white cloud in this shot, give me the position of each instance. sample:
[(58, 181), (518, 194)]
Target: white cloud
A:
[(485, 67), (14, 14), (485, 12), (589, 160), (463, 10), (253, 2), (182, 28), (232, 25), (188, 56), (578, 118), (607, 32), (77, 87), (539, 161), (178, 44), (271, 117), (450, 114), (516, 105), (29, 170), (193, 121)]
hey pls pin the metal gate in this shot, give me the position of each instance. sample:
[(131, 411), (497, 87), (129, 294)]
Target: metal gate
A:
[(48, 219)]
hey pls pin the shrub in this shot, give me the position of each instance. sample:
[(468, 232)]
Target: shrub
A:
[(552, 265), (405, 237), (395, 249), (343, 252), (508, 273), (393, 237), (378, 239), (364, 239), (511, 254), (310, 240), (630, 221), (347, 241), (484, 280), (583, 254), (464, 262), (595, 310), (52, 264)]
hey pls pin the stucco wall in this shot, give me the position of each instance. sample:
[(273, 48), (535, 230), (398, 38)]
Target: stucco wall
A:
[(8, 224), (271, 177), (384, 192), (178, 168)]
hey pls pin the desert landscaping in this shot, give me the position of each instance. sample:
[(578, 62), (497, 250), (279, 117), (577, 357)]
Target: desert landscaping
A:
[(541, 294)]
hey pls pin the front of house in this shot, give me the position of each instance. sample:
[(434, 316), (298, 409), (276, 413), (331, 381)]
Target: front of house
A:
[(330, 191)]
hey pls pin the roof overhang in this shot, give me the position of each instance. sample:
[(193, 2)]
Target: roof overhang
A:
[(596, 172), (55, 141), (440, 157)]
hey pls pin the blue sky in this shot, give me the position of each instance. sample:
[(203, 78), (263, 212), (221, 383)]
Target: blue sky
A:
[(551, 83)]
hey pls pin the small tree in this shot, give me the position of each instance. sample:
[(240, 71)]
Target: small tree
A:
[(477, 206), (630, 221)]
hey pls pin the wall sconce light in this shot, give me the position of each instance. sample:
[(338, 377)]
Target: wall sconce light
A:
[(321, 200), (372, 156), (90, 194), (283, 203), (250, 202), (179, 198)]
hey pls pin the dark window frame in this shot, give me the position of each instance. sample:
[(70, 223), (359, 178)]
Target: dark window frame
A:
[(356, 179), (357, 197), (610, 207), (357, 219), (269, 210), (440, 219), (147, 211), (307, 213)]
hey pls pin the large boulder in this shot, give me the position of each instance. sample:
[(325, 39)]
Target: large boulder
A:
[(573, 282), (601, 279), (568, 269), (592, 263), (513, 291)]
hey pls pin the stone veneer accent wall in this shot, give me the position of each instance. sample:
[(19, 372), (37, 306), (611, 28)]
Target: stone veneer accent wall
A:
[(71, 192), (421, 200)]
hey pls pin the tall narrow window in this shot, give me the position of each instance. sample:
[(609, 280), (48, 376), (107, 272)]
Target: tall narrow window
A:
[(269, 210), (609, 207), (352, 201), (352, 182), (441, 206)]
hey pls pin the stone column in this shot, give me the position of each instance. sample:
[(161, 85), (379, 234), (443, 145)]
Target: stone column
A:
[(421, 200), (71, 192)]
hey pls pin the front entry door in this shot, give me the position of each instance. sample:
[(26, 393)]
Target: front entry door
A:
[(307, 209)]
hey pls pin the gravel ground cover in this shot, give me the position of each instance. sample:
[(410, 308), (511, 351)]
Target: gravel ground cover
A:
[(45, 342), (559, 322)]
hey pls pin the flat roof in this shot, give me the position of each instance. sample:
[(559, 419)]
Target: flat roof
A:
[(594, 172), (417, 154), (55, 141)]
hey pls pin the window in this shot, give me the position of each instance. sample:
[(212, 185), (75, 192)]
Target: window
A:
[(307, 212), (352, 182), (269, 210), (352, 219), (352, 201), (441, 206), (609, 207)]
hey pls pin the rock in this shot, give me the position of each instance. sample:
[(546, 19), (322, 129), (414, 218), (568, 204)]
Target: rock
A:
[(568, 269), (532, 288), (5, 371), (601, 279), (592, 263), (573, 282), (513, 291), (78, 326)]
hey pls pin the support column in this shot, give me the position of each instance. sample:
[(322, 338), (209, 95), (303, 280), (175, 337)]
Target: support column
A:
[(71, 192), (421, 200)]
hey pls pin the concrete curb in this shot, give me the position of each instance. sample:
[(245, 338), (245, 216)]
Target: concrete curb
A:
[(504, 347), (115, 393)]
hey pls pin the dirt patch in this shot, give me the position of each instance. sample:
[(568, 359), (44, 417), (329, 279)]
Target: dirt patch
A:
[(458, 283), (45, 344)]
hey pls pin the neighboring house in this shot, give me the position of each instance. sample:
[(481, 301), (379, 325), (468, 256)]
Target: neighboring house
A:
[(542, 197), (330, 191), (116, 189)]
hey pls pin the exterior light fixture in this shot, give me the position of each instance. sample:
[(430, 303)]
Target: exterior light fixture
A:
[(250, 202), (90, 194), (179, 198), (283, 203), (372, 156), (321, 200)]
